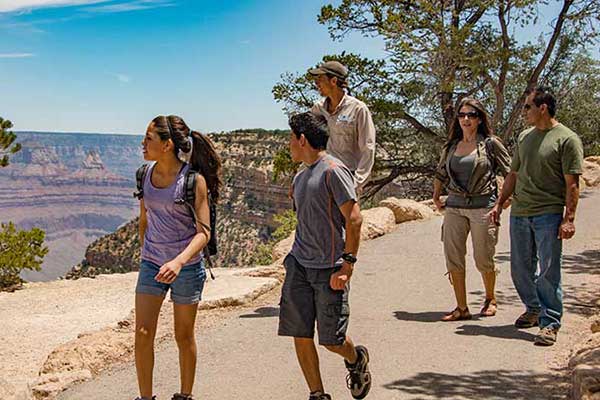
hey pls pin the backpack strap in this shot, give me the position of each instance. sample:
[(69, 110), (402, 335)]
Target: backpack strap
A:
[(189, 199), (140, 176)]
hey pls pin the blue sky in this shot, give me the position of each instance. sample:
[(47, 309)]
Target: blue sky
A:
[(112, 65)]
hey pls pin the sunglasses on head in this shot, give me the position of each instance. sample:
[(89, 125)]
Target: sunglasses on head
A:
[(470, 114)]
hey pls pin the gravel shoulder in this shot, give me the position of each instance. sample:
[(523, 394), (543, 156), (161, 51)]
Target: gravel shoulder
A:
[(44, 317)]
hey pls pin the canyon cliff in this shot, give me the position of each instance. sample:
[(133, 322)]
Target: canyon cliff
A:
[(78, 188)]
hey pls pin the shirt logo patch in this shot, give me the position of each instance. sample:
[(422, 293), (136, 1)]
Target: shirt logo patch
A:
[(344, 119)]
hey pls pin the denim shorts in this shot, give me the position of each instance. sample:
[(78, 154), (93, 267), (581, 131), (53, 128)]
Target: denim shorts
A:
[(306, 297), (186, 289)]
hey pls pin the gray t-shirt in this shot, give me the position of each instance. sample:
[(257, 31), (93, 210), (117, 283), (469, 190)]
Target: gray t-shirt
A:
[(461, 167), (319, 191)]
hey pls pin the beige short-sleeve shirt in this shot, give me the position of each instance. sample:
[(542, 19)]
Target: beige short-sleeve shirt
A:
[(351, 135)]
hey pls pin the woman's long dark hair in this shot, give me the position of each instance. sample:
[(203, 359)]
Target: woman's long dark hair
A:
[(204, 157), (484, 129)]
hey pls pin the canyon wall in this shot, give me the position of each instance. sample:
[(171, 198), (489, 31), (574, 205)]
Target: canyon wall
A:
[(78, 188)]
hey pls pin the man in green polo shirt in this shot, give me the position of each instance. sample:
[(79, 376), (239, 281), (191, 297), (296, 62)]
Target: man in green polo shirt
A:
[(544, 178)]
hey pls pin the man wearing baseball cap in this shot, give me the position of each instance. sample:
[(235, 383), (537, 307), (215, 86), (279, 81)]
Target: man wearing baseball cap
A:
[(351, 128)]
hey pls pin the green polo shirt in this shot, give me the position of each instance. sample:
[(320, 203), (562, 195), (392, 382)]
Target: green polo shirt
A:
[(542, 159)]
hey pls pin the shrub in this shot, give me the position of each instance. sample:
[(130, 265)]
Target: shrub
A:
[(19, 250)]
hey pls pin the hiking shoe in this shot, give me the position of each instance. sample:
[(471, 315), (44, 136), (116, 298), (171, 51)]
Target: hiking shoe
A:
[(358, 379), (319, 396), (527, 320), (546, 336), (145, 398)]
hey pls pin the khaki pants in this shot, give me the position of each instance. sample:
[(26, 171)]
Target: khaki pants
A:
[(484, 235)]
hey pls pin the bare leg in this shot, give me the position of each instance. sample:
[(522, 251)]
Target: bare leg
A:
[(489, 281), (147, 309), (308, 358), (345, 350), (460, 288), (185, 319)]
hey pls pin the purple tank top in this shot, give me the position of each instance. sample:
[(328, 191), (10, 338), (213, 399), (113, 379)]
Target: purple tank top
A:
[(170, 226)]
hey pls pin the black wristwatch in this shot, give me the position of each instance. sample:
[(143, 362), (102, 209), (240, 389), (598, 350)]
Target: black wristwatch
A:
[(349, 258)]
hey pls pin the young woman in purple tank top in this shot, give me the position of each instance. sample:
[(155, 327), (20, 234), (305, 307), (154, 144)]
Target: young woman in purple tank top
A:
[(172, 240)]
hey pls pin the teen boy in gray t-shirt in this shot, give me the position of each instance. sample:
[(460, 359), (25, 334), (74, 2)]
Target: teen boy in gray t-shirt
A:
[(319, 190), (320, 264)]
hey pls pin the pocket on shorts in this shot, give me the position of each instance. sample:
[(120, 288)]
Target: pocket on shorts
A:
[(338, 310)]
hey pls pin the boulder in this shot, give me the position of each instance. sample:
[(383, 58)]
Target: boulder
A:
[(582, 184), (586, 382), (406, 209), (50, 385), (377, 222), (595, 327), (283, 247), (593, 159), (591, 171), (429, 203)]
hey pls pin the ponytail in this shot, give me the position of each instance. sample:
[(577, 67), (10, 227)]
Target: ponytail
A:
[(207, 162), (204, 158)]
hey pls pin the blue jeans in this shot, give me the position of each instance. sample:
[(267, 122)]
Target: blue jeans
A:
[(534, 239)]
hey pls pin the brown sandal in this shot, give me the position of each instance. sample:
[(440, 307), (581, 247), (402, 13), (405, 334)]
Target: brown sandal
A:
[(489, 308), (457, 315)]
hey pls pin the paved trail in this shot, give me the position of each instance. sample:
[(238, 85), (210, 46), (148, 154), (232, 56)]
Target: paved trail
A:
[(398, 295)]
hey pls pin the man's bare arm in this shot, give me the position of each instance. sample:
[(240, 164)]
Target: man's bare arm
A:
[(567, 226)]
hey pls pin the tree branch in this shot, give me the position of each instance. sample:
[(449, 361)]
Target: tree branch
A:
[(535, 74)]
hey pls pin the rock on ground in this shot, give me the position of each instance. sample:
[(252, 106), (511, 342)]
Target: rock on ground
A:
[(377, 222), (406, 209), (48, 386), (591, 171)]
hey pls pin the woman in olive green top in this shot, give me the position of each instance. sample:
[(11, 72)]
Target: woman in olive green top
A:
[(471, 159)]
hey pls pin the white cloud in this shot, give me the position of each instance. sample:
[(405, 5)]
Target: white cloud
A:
[(115, 6), (16, 55), (130, 6), (123, 78), (20, 5)]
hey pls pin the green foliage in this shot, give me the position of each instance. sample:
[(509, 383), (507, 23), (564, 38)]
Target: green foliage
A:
[(577, 84), (263, 254), (283, 166), (286, 224), (19, 250), (7, 138), (437, 53)]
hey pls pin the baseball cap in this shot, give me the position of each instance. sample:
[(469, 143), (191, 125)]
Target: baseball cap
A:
[(330, 67)]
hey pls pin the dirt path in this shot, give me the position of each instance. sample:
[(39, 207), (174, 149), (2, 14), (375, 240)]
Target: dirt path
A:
[(44, 316), (399, 293)]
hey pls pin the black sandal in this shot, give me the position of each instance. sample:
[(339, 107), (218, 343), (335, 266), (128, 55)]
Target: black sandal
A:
[(179, 396)]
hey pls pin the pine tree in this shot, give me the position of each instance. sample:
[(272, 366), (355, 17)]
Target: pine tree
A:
[(7, 138)]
